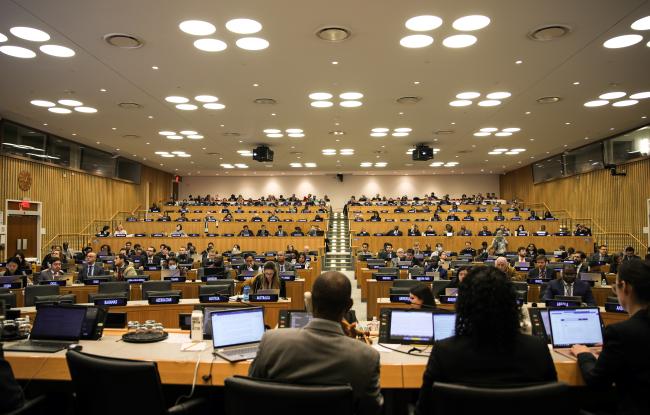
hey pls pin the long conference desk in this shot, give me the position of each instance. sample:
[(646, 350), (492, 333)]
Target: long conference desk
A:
[(176, 367)]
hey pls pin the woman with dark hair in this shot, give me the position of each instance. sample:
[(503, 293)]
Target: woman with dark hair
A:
[(624, 361), (488, 348), (421, 296), (269, 279)]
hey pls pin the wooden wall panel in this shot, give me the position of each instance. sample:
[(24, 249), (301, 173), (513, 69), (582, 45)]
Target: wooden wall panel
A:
[(73, 199), (618, 204)]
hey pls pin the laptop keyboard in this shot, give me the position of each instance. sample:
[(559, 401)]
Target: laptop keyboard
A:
[(39, 346), (243, 351)]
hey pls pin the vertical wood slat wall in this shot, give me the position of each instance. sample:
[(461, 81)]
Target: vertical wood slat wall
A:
[(73, 199), (617, 204)]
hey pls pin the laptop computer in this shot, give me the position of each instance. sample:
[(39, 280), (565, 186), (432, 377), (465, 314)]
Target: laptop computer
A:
[(579, 325), (236, 334), (55, 328)]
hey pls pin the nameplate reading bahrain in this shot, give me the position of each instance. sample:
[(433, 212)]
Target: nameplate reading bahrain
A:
[(110, 302)]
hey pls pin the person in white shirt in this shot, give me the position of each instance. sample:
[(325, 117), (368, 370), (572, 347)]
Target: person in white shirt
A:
[(120, 231)]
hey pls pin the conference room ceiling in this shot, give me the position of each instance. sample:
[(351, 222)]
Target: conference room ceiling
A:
[(576, 67)]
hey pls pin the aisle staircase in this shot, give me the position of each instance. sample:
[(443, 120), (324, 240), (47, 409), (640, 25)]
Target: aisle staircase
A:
[(339, 257)]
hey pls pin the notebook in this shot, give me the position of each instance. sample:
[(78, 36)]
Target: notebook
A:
[(55, 328), (236, 334), (580, 325)]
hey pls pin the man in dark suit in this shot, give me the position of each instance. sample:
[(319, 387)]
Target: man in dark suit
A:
[(150, 257), (468, 250), (395, 231), (91, 268), (387, 254), (624, 360), (263, 231), (249, 264), (570, 286), (321, 352), (281, 232), (53, 272), (245, 231), (541, 269), (282, 263), (601, 256)]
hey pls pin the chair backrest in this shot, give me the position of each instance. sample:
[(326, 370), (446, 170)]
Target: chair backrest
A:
[(458, 399), (226, 287), (542, 290), (55, 299), (94, 377), (112, 287), (612, 299), (9, 299), (155, 286), (406, 283), (32, 291), (288, 399), (439, 286)]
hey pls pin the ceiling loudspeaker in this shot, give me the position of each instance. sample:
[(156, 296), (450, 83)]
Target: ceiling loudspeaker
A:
[(340, 177), (422, 152), (262, 154)]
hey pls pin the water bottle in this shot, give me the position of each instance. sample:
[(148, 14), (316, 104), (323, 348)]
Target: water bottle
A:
[(374, 324), (247, 290)]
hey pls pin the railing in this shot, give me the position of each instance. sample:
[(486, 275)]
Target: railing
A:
[(618, 241), (75, 241)]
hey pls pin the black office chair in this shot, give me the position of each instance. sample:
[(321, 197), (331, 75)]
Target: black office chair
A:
[(30, 407), (120, 288), (458, 399), (224, 287), (408, 284), (610, 299), (149, 286), (288, 399), (438, 287), (93, 375), (32, 291), (8, 297), (542, 291), (522, 289)]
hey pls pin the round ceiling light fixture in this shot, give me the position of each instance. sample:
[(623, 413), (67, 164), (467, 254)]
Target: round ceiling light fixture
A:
[(333, 34), (123, 41), (549, 32)]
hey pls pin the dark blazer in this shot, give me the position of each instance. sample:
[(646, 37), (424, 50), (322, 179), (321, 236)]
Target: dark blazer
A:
[(281, 233), (155, 260), (624, 362), (549, 273), (321, 354), (98, 270), (394, 232), (458, 360), (10, 390), (441, 270), (581, 288), (263, 232), (363, 234), (246, 232)]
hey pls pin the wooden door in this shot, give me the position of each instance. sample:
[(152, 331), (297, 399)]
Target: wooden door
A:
[(22, 234)]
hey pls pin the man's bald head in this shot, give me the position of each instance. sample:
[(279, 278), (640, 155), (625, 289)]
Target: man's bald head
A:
[(331, 296), (501, 263)]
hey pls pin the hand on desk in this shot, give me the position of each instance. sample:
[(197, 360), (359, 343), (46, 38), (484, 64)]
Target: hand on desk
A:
[(576, 349)]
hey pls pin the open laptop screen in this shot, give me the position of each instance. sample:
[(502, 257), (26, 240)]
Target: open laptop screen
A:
[(571, 326), (444, 325), (233, 327), (411, 325), (299, 319), (58, 323)]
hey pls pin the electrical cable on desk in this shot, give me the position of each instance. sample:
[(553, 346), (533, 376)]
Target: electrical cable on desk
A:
[(196, 371), (408, 353), (208, 377), (35, 373)]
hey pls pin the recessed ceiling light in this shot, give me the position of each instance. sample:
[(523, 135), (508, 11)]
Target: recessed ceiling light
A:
[(166, 133), (188, 132), (206, 98), (178, 152), (612, 95), (161, 152), (177, 100), (197, 27), (499, 95), (482, 134), (468, 95), (416, 41), (175, 137), (29, 33), (187, 107), (378, 134), (294, 130), (470, 23), (640, 95), (295, 164), (70, 102), (214, 106), (244, 26), (42, 103), (403, 130), (500, 150), (460, 103), (275, 135), (155, 68), (58, 51), (349, 104), (489, 129), (272, 131), (3, 38), (519, 62), (622, 41), (321, 104), (459, 41), (320, 95), (17, 52), (351, 95), (625, 103), (400, 134), (335, 62), (366, 164), (210, 45), (489, 103), (641, 24), (381, 164), (167, 155), (380, 130), (252, 43), (296, 135), (86, 110), (423, 23), (503, 134), (511, 129), (518, 150), (493, 153), (596, 103)]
